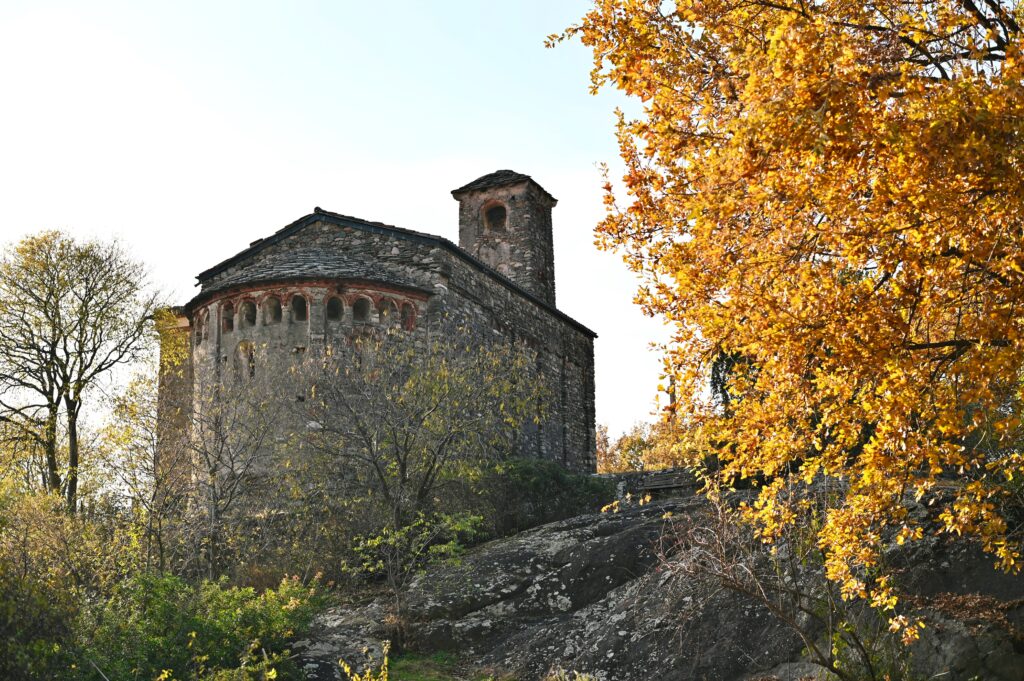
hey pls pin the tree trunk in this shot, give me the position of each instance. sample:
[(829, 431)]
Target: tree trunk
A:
[(73, 407)]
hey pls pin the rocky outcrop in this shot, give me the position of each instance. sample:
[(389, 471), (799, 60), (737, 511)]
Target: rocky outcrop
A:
[(589, 594)]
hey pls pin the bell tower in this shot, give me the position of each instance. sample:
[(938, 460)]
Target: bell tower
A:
[(505, 221)]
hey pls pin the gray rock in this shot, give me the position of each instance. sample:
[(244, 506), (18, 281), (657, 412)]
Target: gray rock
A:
[(953, 650), (583, 594), (794, 671), (590, 594), (353, 635)]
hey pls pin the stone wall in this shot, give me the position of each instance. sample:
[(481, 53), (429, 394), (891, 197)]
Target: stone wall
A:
[(175, 390), (346, 274)]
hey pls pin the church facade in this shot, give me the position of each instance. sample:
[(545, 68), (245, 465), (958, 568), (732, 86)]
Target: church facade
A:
[(328, 276)]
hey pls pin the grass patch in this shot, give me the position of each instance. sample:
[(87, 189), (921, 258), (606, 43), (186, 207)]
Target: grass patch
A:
[(436, 667)]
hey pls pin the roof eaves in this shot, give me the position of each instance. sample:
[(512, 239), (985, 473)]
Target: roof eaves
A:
[(381, 228)]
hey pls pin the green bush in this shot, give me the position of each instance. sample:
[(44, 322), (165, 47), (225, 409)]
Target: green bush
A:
[(33, 628), (523, 493), (39, 600), (163, 627)]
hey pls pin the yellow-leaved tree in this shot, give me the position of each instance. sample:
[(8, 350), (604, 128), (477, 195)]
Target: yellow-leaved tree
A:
[(826, 199)]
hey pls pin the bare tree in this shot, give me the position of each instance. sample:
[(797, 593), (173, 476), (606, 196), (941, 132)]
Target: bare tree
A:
[(229, 455), (402, 422), (190, 495), (713, 550), (70, 312), (401, 415)]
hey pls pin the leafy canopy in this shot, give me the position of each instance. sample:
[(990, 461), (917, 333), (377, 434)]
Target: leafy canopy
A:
[(71, 313), (829, 195)]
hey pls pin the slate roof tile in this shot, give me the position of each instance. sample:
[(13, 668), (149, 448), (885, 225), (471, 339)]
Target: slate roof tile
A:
[(499, 178), (258, 264)]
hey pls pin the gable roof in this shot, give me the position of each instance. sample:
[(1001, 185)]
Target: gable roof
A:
[(321, 215), (499, 178)]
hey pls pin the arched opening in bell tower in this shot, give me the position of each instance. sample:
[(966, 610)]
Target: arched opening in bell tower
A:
[(495, 216)]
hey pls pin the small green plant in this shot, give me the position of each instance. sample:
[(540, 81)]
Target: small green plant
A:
[(162, 627), (399, 553), (524, 493), (381, 674), (439, 666)]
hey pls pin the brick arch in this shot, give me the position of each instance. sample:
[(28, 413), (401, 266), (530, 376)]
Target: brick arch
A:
[(408, 315), (299, 310), (363, 308), (273, 310), (334, 307), (227, 316), (200, 323), (494, 216), (248, 312), (388, 311)]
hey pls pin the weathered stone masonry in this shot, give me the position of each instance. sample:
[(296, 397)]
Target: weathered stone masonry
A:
[(326, 275)]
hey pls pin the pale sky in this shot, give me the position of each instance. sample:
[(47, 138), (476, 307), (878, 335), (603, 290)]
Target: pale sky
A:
[(189, 129)]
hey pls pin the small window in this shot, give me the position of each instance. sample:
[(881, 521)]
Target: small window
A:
[(299, 310), (408, 317), (248, 314), (272, 311), (361, 310), (388, 313), (199, 331), (495, 218), (334, 309), (228, 316)]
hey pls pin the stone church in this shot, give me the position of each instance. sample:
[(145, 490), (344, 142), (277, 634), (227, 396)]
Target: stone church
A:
[(327, 276)]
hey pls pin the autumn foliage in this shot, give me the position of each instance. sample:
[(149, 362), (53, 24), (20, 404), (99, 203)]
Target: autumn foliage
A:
[(826, 198)]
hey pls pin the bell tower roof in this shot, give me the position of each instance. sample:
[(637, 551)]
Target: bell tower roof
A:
[(499, 178)]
